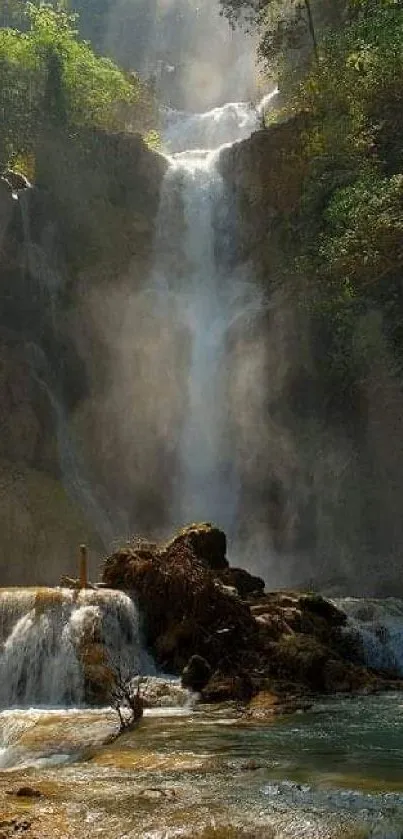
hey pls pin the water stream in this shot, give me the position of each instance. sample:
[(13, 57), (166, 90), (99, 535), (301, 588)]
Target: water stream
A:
[(333, 772), (192, 250)]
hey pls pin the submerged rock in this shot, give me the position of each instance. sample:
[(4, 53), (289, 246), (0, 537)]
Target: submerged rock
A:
[(11, 827), (25, 792)]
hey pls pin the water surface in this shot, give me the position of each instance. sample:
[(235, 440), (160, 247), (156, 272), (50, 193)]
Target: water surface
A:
[(334, 771)]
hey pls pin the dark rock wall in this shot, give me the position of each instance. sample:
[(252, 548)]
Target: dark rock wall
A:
[(84, 227), (325, 488)]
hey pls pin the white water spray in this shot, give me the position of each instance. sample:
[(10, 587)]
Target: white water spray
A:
[(191, 267), (46, 634), (379, 626)]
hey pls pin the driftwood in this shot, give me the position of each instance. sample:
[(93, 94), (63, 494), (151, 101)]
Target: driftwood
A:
[(126, 699), (74, 582)]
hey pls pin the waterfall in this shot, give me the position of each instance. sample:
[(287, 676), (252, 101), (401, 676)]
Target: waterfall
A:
[(191, 259), (210, 130), (47, 635), (379, 626), (40, 259)]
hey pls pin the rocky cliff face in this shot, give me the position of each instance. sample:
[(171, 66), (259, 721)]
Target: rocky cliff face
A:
[(80, 232), (326, 465), (265, 175)]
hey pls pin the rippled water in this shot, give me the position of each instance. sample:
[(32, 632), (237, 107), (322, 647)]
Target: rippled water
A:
[(334, 771)]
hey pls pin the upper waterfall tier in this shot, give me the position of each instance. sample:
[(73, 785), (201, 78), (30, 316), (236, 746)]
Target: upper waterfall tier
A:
[(211, 129), (57, 642)]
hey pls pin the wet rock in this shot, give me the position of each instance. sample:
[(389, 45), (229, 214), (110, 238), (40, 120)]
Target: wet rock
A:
[(25, 792), (196, 673), (156, 793), (163, 693), (14, 827), (301, 659), (245, 583), (225, 688), (318, 605), (285, 643), (16, 180), (343, 677), (266, 174), (268, 704)]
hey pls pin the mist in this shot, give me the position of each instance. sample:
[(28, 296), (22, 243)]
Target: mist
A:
[(194, 57)]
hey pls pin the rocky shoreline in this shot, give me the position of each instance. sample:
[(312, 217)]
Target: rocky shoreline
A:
[(230, 639)]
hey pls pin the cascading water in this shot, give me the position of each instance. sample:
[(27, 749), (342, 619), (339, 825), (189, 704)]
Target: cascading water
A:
[(233, 121), (48, 635), (208, 299), (379, 626), (41, 262)]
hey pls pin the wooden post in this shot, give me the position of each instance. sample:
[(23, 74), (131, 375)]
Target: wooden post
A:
[(83, 568)]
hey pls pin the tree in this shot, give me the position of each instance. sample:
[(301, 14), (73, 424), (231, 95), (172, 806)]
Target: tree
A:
[(51, 80), (288, 29), (126, 698)]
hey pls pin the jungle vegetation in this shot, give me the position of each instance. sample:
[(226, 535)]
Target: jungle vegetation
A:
[(52, 80), (339, 66)]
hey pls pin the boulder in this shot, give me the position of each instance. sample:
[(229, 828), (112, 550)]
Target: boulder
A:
[(318, 605), (196, 674), (25, 792), (208, 543), (245, 583), (184, 611), (224, 687)]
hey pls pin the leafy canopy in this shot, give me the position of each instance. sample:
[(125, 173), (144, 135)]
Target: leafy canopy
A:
[(48, 76)]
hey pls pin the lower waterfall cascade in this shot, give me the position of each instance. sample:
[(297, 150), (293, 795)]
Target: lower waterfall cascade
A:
[(379, 627), (43, 632)]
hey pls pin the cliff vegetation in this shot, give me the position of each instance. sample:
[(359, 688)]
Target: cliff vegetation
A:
[(319, 191)]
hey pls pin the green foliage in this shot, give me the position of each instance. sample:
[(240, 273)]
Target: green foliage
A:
[(348, 225), (91, 86), (288, 30), (50, 79), (364, 236)]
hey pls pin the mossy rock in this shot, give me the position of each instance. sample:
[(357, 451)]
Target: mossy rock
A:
[(207, 542)]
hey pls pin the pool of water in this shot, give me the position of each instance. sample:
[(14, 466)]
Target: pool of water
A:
[(335, 771)]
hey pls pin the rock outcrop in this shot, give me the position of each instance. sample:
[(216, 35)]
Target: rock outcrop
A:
[(266, 174), (286, 643), (186, 609), (85, 224)]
